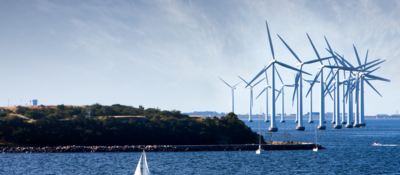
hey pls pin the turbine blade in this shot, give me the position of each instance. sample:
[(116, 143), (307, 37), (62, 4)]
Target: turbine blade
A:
[(236, 84), (287, 46), (327, 77), (376, 77), (315, 50), (329, 92), (330, 50), (366, 56), (316, 60), (276, 70), (290, 67), (296, 80), (330, 81), (315, 79), (345, 60), (244, 81), (370, 85), (261, 92), (224, 82), (365, 65), (340, 61), (373, 70), (266, 76), (343, 68), (270, 42), (278, 94), (358, 59), (258, 75), (374, 65), (258, 82)]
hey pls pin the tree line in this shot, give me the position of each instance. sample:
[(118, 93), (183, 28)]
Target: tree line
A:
[(159, 128)]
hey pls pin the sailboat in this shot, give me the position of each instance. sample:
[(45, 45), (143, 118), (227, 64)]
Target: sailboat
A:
[(259, 150), (145, 167), (316, 146)]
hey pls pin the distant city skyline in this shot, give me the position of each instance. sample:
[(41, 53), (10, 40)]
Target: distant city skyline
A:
[(169, 54)]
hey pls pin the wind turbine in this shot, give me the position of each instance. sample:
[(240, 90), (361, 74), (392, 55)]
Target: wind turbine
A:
[(299, 80), (251, 96), (321, 125), (232, 93), (272, 63), (360, 74), (283, 85), (310, 120), (266, 97)]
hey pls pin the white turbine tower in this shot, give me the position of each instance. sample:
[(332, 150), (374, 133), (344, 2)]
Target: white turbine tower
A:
[(282, 90), (251, 96), (266, 97), (310, 120), (232, 94)]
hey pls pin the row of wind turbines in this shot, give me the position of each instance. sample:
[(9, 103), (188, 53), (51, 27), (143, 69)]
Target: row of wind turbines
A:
[(352, 84)]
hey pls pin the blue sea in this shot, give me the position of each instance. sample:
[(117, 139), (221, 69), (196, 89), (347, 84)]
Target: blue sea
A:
[(349, 151)]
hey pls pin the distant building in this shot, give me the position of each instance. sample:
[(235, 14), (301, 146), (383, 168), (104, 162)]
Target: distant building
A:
[(205, 113), (382, 115), (34, 102), (314, 113)]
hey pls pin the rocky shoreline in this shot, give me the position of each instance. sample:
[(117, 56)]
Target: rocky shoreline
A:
[(155, 148)]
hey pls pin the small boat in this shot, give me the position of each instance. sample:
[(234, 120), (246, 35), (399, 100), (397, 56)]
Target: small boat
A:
[(146, 170), (376, 144), (260, 150), (315, 149)]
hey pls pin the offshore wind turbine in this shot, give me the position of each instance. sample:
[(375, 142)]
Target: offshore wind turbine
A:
[(232, 93), (360, 74), (359, 119), (320, 74), (272, 63), (299, 82), (310, 120), (266, 97), (251, 96), (283, 85)]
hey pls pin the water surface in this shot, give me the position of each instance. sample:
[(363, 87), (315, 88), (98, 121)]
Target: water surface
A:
[(349, 151)]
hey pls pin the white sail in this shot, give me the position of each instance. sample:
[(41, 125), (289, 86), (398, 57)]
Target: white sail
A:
[(138, 169), (146, 170)]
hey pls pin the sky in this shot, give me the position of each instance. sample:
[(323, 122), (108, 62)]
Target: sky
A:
[(169, 54)]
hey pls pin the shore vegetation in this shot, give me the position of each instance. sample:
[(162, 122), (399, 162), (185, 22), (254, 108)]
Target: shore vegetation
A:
[(70, 125)]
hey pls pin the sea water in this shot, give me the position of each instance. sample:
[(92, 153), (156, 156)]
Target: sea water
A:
[(349, 151)]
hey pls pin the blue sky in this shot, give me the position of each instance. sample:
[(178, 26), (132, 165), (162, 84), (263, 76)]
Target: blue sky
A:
[(169, 54)]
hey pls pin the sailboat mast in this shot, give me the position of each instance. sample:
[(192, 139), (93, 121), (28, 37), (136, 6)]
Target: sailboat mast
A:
[(316, 136), (259, 133)]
